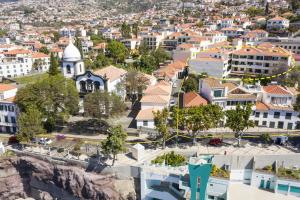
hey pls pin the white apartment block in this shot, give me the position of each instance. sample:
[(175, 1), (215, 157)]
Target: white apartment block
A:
[(8, 109), (287, 43), (264, 59), (152, 40), (278, 23), (233, 32), (272, 104), (226, 23), (15, 63), (214, 62)]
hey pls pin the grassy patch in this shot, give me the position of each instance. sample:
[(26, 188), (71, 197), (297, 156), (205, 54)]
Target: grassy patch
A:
[(30, 79)]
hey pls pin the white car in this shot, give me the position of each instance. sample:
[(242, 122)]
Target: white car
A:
[(172, 102)]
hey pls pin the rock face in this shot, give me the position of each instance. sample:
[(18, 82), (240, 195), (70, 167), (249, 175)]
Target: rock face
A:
[(22, 177)]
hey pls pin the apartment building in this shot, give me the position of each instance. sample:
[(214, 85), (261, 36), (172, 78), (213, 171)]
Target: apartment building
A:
[(41, 62), (215, 62), (8, 109), (264, 59), (177, 38), (152, 40), (17, 62), (278, 23), (272, 104), (233, 32), (252, 37), (287, 43)]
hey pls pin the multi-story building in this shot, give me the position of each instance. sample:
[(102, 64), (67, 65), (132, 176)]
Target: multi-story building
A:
[(272, 105), (264, 59), (278, 23), (214, 62), (41, 62), (152, 40), (254, 36), (288, 43), (233, 32), (8, 109), (17, 62)]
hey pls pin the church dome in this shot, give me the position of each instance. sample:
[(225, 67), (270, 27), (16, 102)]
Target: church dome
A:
[(71, 53)]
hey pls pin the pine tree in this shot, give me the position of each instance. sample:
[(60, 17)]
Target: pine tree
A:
[(54, 66)]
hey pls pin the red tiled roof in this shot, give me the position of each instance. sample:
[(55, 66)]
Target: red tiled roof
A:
[(193, 99), (6, 87), (275, 89)]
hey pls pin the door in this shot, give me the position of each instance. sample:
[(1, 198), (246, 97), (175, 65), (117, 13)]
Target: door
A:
[(268, 185), (262, 184)]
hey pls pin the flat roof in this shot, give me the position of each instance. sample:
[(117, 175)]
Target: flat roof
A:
[(238, 191)]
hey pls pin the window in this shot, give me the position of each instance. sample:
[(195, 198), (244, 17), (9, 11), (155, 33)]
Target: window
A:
[(265, 115), (6, 119), (272, 125), (218, 93), (264, 123), (145, 123), (276, 115), (288, 116), (198, 182), (68, 69), (280, 125), (257, 114), (290, 126), (13, 120), (256, 122)]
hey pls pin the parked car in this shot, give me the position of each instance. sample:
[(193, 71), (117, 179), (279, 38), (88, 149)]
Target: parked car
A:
[(280, 140), (215, 142), (172, 102), (45, 141), (13, 140), (48, 141)]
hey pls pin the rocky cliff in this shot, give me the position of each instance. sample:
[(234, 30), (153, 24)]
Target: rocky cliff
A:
[(22, 177)]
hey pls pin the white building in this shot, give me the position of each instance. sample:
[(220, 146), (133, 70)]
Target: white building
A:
[(272, 104), (278, 23), (155, 98), (8, 109), (41, 62), (287, 43), (72, 63), (264, 59), (152, 40)]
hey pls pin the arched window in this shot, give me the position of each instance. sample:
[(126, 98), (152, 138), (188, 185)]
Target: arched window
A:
[(68, 69), (89, 85), (82, 86)]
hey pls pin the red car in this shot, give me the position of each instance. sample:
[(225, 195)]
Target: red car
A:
[(215, 142)]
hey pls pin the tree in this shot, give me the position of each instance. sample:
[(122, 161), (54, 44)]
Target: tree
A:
[(78, 44), (30, 124), (135, 29), (101, 61), (160, 121), (125, 30), (160, 56), (238, 120), (101, 104), (117, 51), (134, 82), (3, 32), (143, 49), (115, 142), (54, 96), (55, 36), (54, 66), (190, 84), (148, 63), (44, 50), (253, 11), (96, 39), (297, 104)]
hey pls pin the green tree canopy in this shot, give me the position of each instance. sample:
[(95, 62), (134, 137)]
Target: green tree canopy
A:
[(297, 104), (78, 44), (161, 121), (160, 56), (101, 61), (148, 63), (117, 51), (54, 66), (238, 120), (254, 11), (102, 104), (44, 50), (55, 97), (30, 124), (115, 142), (125, 30), (190, 84)]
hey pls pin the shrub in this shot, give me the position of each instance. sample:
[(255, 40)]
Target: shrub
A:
[(266, 138), (218, 172), (60, 150), (170, 159)]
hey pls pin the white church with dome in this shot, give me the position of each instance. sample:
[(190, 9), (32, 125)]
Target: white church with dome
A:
[(72, 63), (105, 79)]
